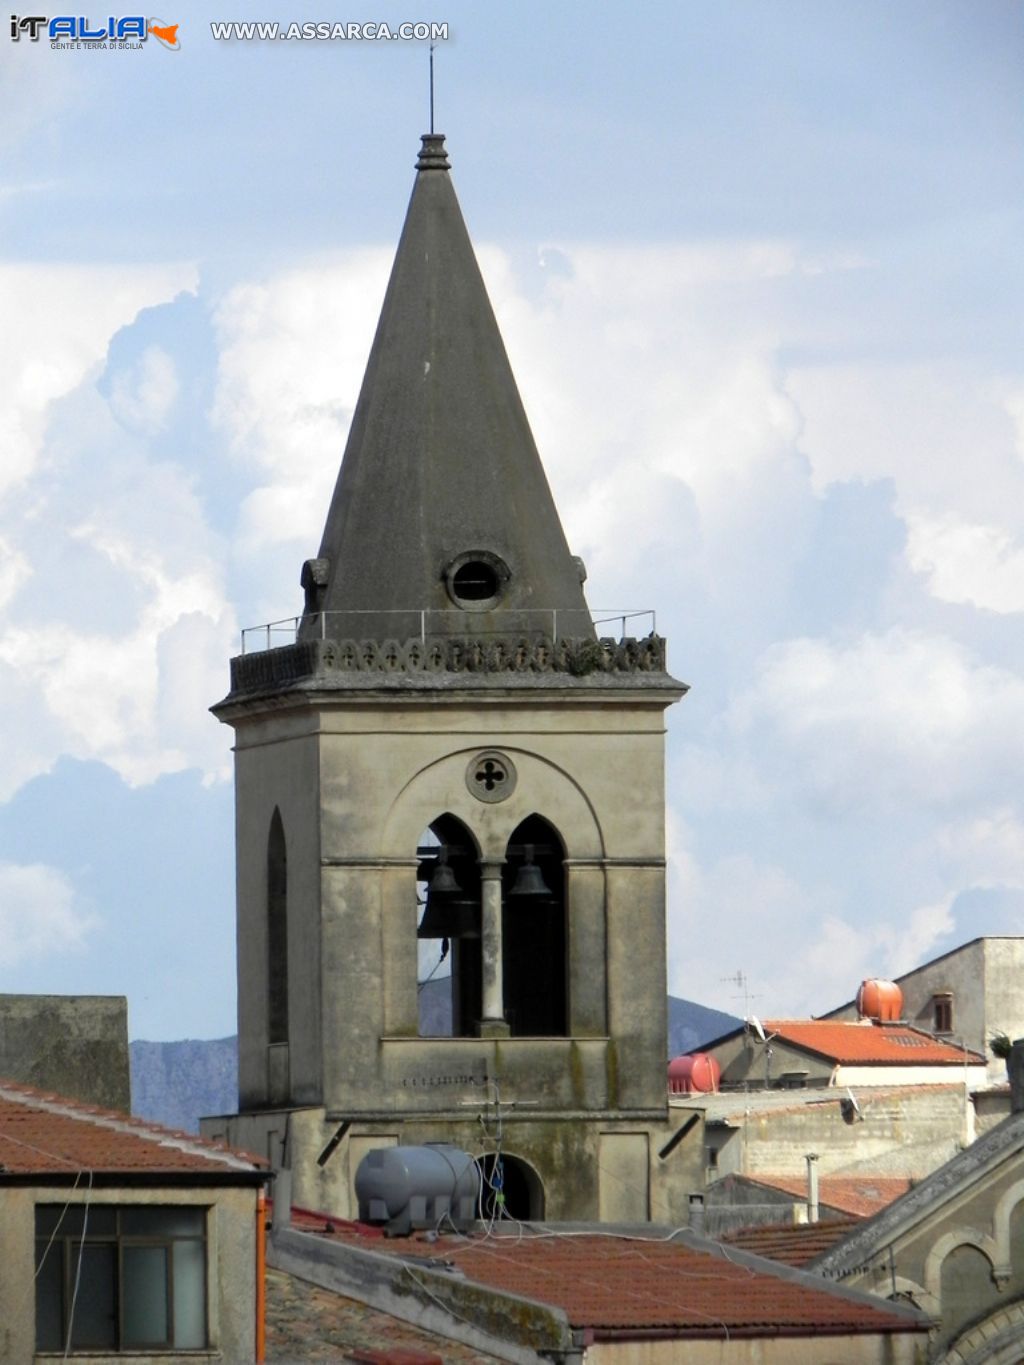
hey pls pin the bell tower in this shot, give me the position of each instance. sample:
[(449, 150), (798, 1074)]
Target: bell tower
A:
[(448, 774)]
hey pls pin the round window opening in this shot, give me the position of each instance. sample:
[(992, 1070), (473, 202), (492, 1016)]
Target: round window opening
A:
[(491, 776), (476, 580)]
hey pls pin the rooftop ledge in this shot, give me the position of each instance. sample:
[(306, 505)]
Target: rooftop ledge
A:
[(324, 651)]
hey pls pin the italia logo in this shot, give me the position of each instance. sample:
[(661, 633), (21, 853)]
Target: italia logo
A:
[(129, 30)]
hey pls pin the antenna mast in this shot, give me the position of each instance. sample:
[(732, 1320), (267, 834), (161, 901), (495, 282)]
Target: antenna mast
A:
[(431, 87)]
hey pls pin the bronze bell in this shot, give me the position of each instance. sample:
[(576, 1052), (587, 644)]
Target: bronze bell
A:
[(450, 917), (449, 913), (529, 879), (443, 879)]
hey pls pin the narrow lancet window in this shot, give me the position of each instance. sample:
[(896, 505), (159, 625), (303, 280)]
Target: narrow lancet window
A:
[(277, 933)]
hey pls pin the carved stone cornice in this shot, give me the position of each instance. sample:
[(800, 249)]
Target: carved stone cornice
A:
[(445, 658)]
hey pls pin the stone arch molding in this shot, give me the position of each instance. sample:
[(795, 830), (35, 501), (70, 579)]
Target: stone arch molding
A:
[(959, 1237), (1008, 1201), (542, 789), (995, 1341)]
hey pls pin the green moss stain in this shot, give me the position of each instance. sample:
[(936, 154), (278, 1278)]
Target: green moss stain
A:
[(577, 1077), (611, 1064)]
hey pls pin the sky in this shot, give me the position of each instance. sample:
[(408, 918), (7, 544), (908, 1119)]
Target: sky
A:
[(759, 273)]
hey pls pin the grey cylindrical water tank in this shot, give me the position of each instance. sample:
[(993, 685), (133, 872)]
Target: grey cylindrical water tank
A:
[(417, 1187)]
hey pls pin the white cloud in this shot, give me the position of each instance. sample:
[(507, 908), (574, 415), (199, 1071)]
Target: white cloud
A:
[(293, 350), (980, 565), (38, 915), (14, 570), (105, 693), (986, 850), (1014, 404), (888, 718), (940, 429), (799, 949), (142, 397), (112, 583), (739, 914), (58, 321)]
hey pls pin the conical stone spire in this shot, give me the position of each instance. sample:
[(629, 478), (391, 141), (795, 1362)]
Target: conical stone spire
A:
[(442, 522)]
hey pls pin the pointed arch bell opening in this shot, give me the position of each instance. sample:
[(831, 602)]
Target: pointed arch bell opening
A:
[(534, 956), (448, 929)]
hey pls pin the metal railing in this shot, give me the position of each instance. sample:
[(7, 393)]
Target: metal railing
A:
[(425, 622)]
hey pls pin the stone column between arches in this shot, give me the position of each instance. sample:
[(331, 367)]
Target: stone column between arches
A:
[(493, 1024)]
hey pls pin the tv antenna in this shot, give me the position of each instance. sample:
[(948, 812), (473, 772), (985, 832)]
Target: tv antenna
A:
[(742, 984)]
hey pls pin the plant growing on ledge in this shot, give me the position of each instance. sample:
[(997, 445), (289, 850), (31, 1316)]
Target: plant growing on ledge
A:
[(1001, 1045), (583, 657)]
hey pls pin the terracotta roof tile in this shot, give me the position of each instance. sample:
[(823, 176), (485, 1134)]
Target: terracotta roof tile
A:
[(45, 1134), (611, 1284), (308, 1323), (849, 1041), (860, 1195), (793, 1244)]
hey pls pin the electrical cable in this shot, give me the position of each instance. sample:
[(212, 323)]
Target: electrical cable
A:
[(78, 1270)]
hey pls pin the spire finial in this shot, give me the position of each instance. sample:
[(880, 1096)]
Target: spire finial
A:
[(431, 87), (433, 156)]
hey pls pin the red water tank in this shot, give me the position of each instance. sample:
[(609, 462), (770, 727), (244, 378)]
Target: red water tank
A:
[(696, 1072), (881, 1001)]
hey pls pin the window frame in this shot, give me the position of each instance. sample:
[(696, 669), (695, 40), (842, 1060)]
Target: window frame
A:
[(942, 1012), (68, 1245)]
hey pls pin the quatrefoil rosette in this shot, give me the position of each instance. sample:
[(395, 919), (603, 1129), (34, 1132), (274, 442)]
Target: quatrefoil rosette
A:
[(491, 776)]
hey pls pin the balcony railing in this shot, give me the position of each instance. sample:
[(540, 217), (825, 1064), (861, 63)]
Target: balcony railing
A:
[(425, 624)]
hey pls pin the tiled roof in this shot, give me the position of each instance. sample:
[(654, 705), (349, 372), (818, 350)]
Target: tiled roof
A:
[(306, 1322), (46, 1135), (612, 1284), (860, 1195), (791, 1243), (1000, 1149), (850, 1041)]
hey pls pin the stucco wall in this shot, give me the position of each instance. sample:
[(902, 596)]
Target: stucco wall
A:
[(76, 1045), (276, 766), (231, 1251)]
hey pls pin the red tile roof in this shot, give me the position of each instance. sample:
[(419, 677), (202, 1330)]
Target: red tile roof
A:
[(794, 1244), (620, 1284), (849, 1041), (46, 1135), (308, 1323), (860, 1195)]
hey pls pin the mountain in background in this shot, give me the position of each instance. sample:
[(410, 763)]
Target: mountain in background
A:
[(175, 1083), (690, 1026)]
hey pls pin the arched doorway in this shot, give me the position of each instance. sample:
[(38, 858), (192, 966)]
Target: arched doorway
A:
[(512, 1188), (534, 931)]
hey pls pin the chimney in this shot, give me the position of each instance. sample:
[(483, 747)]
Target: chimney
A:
[(696, 1219), (812, 1186), (1015, 1067)]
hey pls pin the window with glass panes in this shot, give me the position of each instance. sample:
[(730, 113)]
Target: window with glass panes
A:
[(120, 1277)]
